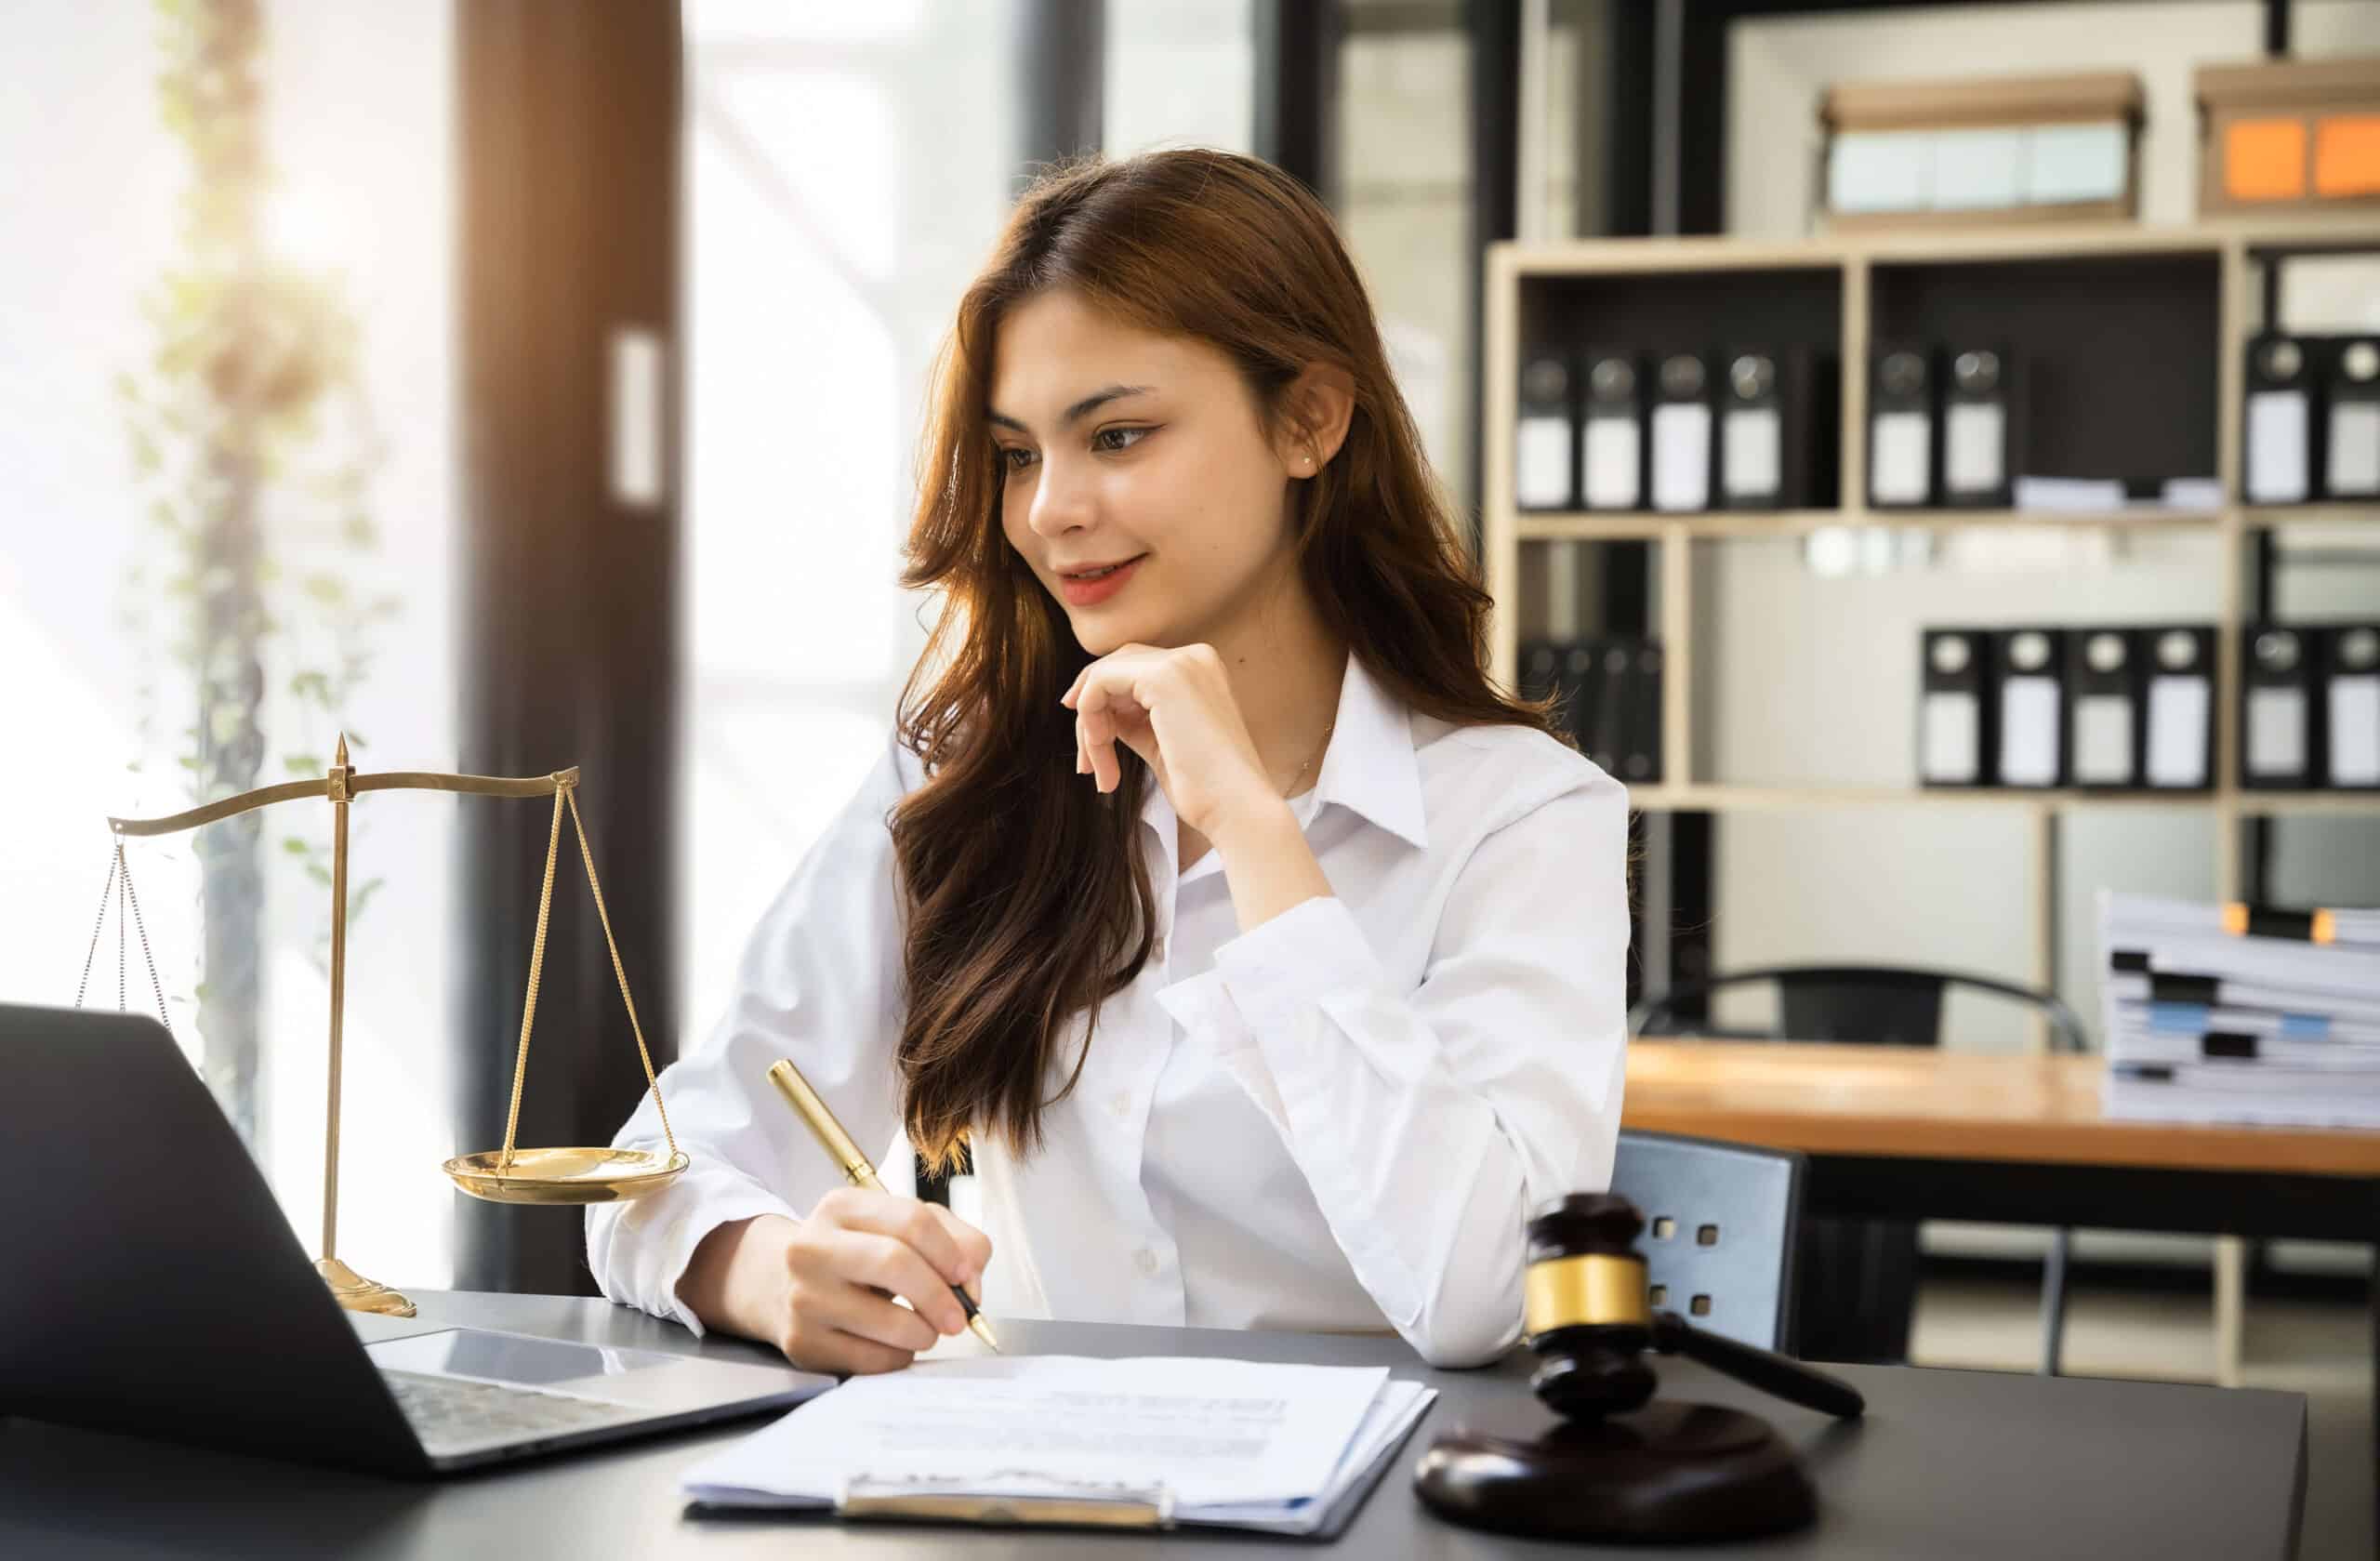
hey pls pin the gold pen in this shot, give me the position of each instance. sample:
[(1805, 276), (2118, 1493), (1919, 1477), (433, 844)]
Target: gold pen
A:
[(837, 1143)]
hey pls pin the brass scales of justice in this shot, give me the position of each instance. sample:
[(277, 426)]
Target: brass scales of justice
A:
[(506, 1175)]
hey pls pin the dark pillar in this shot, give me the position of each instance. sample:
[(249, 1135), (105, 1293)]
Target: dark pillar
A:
[(1494, 34), (568, 119), (1060, 81), (1297, 91)]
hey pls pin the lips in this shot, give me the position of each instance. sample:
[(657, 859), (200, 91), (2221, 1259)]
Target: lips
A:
[(1085, 588)]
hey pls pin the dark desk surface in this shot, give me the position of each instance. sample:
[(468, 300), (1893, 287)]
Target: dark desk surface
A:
[(1947, 1464)]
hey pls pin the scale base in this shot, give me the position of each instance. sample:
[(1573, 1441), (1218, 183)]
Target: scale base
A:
[(1670, 1470), (357, 1293)]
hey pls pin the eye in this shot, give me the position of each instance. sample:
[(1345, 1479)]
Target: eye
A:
[(1013, 458), (1105, 440)]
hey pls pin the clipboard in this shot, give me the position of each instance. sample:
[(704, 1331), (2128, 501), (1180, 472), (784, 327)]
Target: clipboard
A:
[(1024, 1498), (1041, 1502)]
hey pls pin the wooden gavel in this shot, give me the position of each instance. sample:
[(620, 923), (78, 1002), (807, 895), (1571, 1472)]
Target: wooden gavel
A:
[(1584, 1313), (1623, 1465)]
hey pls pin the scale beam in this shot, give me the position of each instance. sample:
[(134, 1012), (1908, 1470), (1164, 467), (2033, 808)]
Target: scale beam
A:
[(510, 1174)]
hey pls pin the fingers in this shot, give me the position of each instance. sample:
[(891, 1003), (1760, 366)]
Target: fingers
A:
[(864, 1315), (1096, 729), (926, 1231), (862, 1257), (974, 1249), (846, 1355)]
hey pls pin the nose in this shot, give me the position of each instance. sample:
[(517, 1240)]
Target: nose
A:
[(1061, 499)]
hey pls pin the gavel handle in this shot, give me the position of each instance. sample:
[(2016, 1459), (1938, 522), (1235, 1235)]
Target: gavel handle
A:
[(1765, 1369)]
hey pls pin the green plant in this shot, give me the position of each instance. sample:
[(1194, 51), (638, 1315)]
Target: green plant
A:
[(251, 434)]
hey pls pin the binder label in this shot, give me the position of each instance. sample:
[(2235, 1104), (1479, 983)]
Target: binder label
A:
[(1682, 457), (1903, 452), (1751, 453), (1614, 480), (1951, 742), (2277, 448), (1541, 480), (2354, 730), (2178, 709), (2355, 450), (2103, 740), (1973, 439), (2028, 732), (2277, 733)]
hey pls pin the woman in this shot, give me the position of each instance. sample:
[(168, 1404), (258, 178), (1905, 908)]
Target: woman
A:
[(1265, 956)]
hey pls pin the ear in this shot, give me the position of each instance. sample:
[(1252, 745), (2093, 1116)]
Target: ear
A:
[(1317, 408)]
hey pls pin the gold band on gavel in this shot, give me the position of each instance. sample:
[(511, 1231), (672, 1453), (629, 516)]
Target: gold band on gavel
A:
[(1592, 1288)]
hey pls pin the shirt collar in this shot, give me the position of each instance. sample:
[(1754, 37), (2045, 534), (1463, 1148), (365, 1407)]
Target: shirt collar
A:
[(1368, 766), (1371, 766)]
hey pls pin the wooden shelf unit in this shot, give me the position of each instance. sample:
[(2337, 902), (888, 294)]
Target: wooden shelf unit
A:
[(2235, 250)]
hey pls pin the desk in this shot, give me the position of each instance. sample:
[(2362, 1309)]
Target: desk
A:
[(1947, 1464), (1913, 1132)]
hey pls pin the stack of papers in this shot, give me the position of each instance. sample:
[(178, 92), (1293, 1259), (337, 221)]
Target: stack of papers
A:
[(2208, 1024), (1286, 1448)]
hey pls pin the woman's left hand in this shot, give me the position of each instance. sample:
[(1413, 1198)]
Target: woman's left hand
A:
[(1175, 710)]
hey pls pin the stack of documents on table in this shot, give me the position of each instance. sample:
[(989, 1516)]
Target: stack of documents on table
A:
[(2223, 1014), (1233, 1443)]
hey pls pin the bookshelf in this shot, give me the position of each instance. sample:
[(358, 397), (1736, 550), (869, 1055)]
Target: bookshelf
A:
[(2192, 293)]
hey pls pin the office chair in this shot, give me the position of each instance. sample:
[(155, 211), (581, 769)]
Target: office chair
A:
[(1859, 1277), (1720, 1222)]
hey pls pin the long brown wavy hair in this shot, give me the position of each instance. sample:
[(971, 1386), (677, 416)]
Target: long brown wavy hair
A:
[(1027, 898)]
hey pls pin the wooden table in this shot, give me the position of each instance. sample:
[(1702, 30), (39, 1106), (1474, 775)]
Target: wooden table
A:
[(1909, 1132), (1902, 1102)]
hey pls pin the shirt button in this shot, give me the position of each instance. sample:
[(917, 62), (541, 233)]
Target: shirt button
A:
[(1146, 1259), (1121, 1104)]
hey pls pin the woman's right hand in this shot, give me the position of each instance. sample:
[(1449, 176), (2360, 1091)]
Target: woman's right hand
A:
[(821, 1289)]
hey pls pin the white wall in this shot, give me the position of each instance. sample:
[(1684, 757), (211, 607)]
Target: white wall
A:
[(1813, 680)]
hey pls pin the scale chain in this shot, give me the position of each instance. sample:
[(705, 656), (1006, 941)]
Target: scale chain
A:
[(141, 928), (566, 796), (119, 883), (115, 859), (587, 854), (536, 967)]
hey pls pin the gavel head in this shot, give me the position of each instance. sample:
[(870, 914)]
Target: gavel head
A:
[(1584, 1309)]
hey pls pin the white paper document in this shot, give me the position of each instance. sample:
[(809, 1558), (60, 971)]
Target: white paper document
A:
[(1229, 1441)]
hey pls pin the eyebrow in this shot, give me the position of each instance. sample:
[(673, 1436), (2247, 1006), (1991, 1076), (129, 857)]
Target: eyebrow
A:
[(1080, 409)]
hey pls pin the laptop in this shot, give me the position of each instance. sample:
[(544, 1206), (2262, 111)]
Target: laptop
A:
[(154, 1288)]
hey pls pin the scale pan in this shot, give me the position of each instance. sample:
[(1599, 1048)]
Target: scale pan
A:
[(564, 1175)]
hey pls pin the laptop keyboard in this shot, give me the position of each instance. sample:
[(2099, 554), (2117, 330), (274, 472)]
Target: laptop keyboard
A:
[(448, 1412)]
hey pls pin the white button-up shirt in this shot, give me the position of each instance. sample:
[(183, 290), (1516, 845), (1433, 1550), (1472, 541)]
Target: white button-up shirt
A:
[(1336, 1121)]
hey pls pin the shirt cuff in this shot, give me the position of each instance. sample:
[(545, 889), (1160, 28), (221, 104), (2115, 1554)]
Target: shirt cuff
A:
[(677, 1227), (1290, 964)]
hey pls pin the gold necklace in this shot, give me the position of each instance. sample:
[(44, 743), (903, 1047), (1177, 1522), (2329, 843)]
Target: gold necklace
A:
[(1318, 750)]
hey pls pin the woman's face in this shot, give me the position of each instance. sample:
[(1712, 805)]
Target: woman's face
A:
[(1138, 480)]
